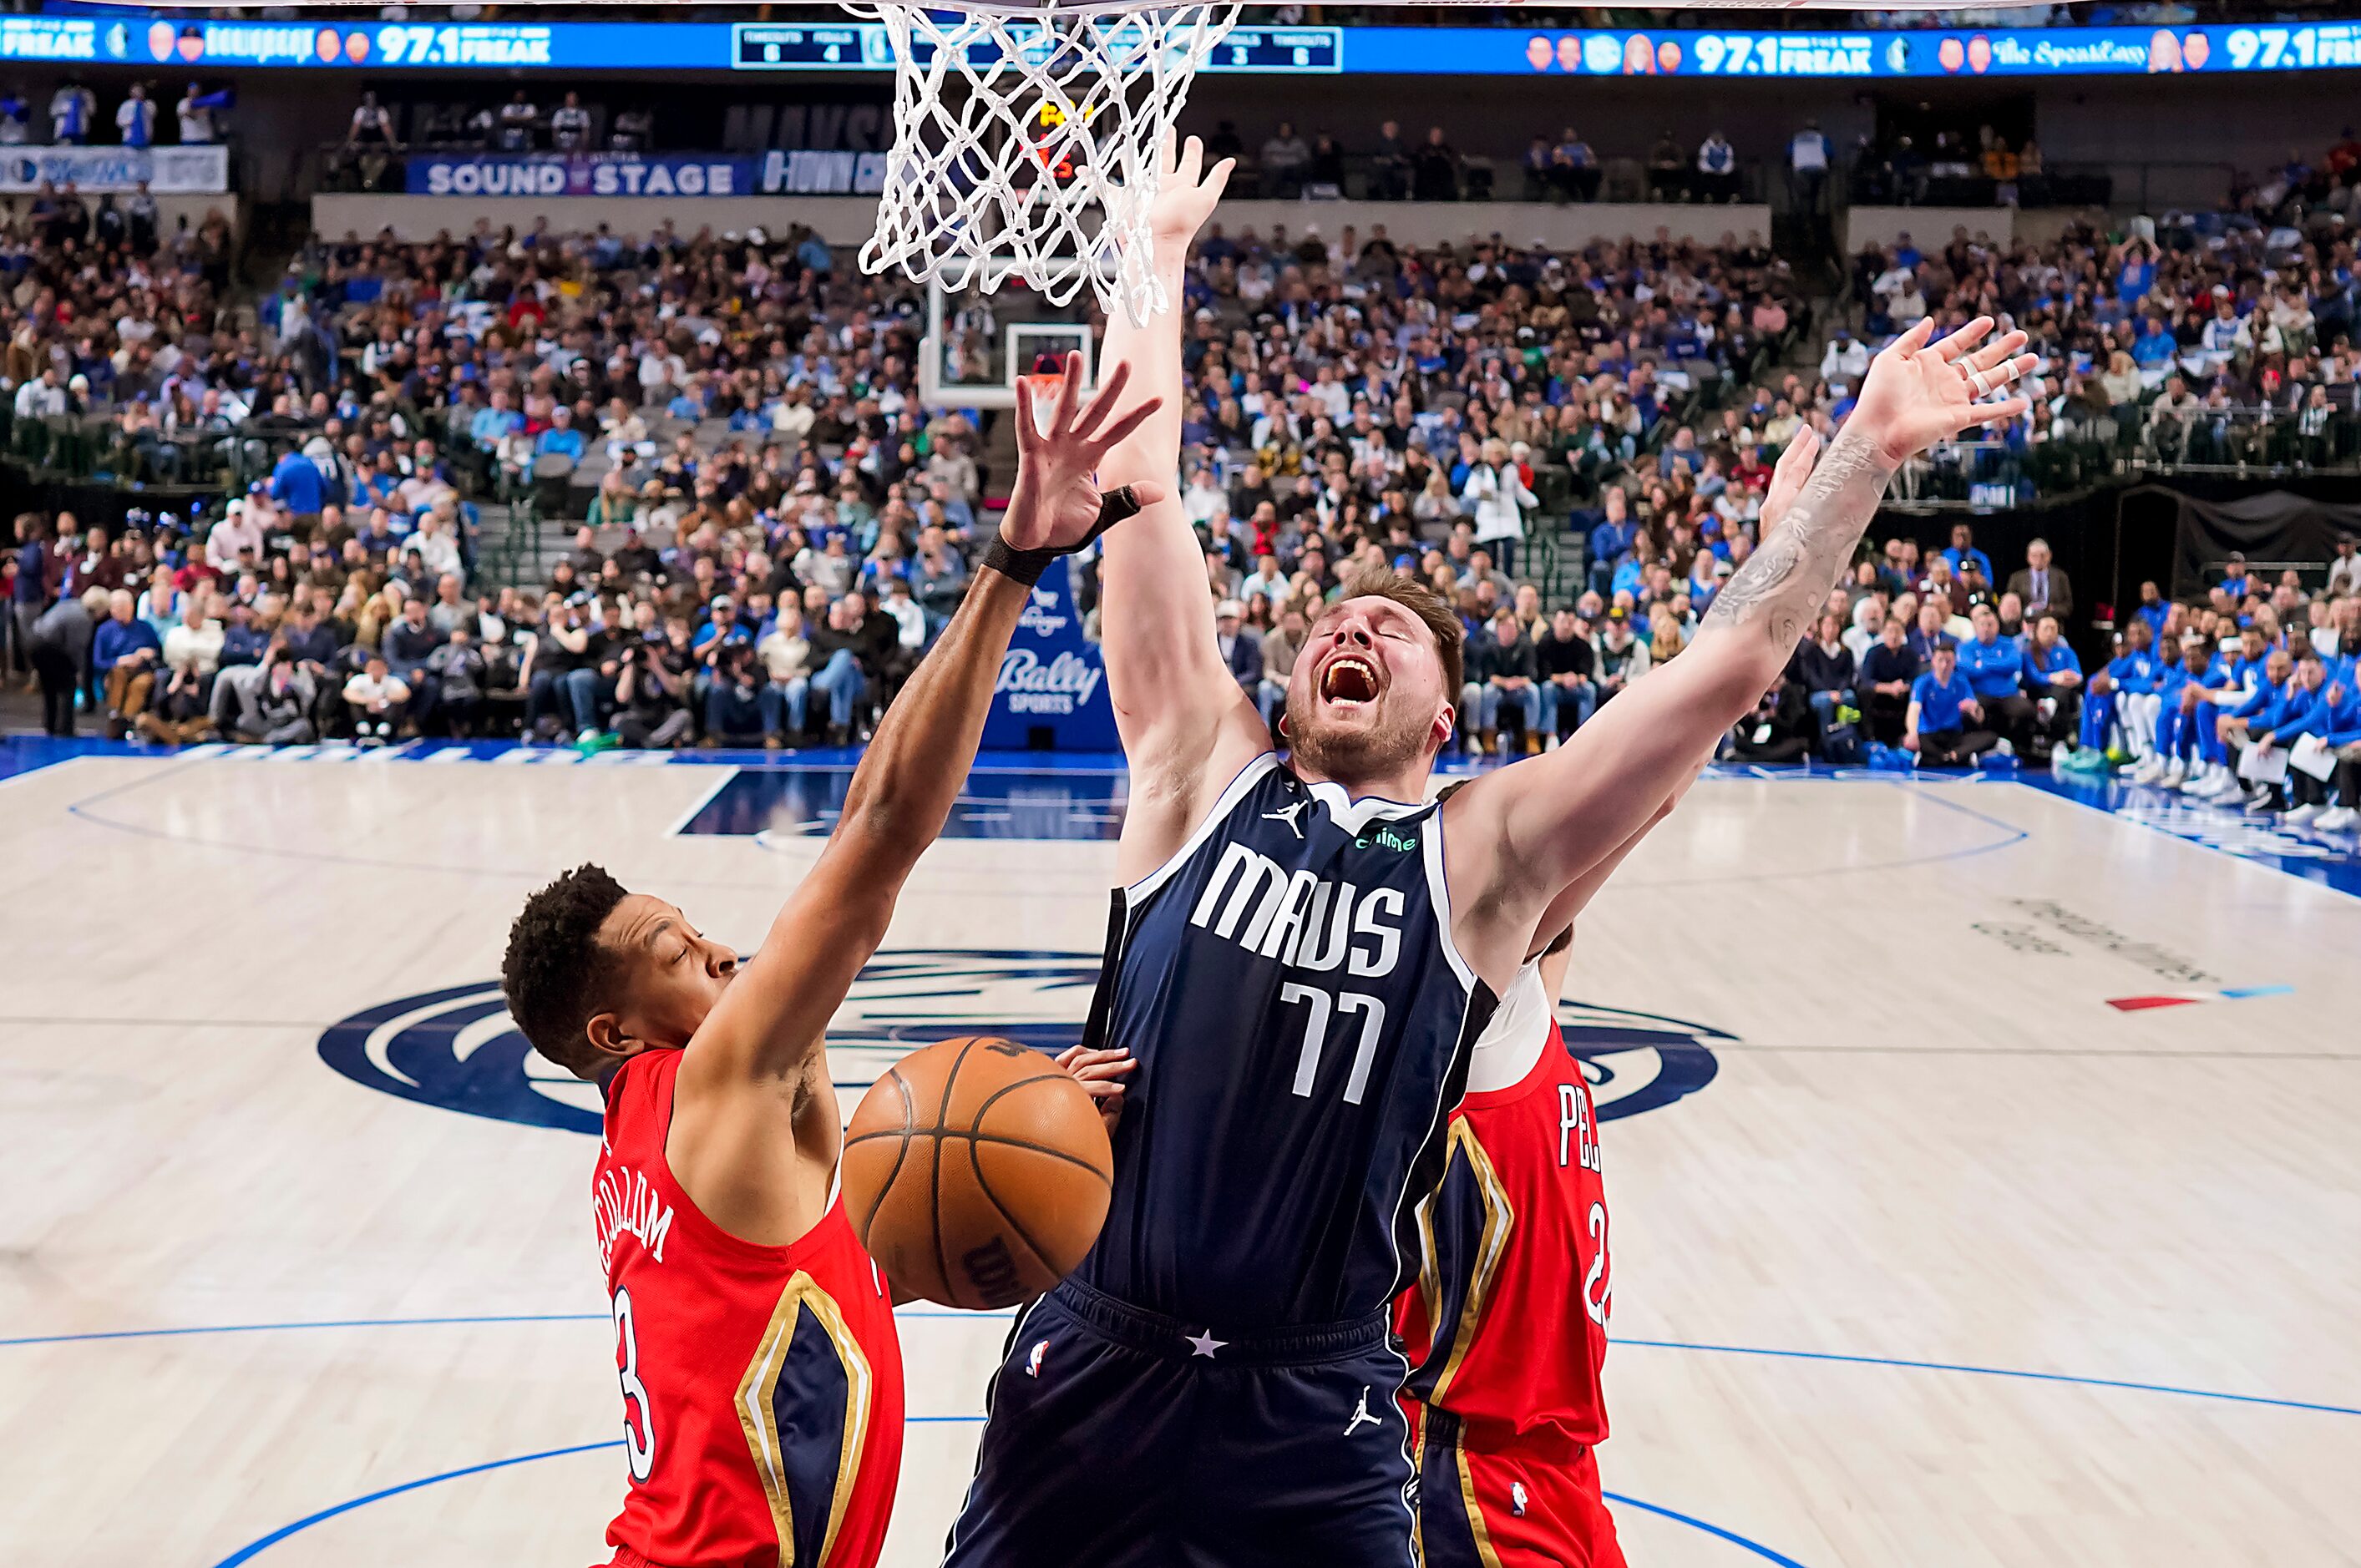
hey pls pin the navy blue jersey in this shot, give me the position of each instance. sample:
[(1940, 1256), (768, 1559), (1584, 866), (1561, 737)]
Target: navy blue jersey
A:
[(1301, 1021)]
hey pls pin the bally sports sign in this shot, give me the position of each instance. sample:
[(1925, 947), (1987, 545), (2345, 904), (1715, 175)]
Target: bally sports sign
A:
[(1052, 688)]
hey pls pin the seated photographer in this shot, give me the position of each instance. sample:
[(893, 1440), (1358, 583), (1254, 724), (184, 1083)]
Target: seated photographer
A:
[(1781, 726), (733, 702), (652, 692)]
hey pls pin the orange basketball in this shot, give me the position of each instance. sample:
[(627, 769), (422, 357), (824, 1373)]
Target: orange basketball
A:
[(976, 1172)]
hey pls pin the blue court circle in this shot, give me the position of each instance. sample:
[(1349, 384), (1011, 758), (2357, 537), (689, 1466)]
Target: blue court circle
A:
[(261, 1544)]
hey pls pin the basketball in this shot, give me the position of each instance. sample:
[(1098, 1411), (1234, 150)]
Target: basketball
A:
[(976, 1172)]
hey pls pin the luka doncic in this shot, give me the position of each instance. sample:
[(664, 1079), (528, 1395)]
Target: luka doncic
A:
[(1286, 982), (1302, 957)]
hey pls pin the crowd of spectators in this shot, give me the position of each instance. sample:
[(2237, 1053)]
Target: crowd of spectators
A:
[(1398, 166), (781, 529), (74, 116), (2219, 340)]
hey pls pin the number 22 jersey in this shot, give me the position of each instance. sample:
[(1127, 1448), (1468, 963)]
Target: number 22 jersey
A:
[(762, 1385), (1507, 1326)]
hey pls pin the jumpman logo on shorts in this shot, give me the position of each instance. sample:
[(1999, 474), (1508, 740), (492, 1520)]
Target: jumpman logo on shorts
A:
[(1361, 1414)]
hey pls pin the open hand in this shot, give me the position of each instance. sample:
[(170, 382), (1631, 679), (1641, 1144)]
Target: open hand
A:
[(1056, 504), (1915, 395), (1787, 478), (1185, 192), (1101, 1074)]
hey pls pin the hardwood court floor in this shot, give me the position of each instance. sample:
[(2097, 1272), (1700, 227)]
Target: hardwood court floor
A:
[(1924, 1255)]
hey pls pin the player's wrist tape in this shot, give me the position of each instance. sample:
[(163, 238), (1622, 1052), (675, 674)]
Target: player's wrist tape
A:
[(1025, 566)]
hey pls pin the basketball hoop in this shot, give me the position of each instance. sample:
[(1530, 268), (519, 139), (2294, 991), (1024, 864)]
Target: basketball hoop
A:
[(1027, 136)]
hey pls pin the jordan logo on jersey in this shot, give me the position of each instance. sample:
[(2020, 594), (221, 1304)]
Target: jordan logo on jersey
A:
[(1291, 815), (1295, 917), (1361, 1416)]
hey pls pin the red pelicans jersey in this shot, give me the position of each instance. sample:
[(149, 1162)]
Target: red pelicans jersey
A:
[(762, 1385), (1506, 1328)]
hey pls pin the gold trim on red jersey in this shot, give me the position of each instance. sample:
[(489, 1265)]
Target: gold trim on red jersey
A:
[(1500, 1219), (761, 1423)]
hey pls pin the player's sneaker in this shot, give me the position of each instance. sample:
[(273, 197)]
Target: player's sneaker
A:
[(2297, 815), (2174, 773), (2337, 820), (2147, 772)]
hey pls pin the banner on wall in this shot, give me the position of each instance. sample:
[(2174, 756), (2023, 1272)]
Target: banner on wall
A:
[(1052, 681), (2275, 526), (822, 174), (577, 174), (118, 170)]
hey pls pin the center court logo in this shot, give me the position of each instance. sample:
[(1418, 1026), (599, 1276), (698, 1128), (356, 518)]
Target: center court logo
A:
[(457, 1049)]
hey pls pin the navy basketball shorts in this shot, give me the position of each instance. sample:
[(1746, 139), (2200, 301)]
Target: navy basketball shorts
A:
[(1121, 1439)]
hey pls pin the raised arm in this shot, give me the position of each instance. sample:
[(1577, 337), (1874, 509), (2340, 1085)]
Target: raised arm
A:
[(1187, 727), (758, 1054), (1520, 836)]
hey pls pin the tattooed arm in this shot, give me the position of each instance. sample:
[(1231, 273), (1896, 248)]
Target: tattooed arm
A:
[(1518, 839)]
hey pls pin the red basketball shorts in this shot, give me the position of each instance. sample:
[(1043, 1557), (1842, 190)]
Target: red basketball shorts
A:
[(1512, 1508)]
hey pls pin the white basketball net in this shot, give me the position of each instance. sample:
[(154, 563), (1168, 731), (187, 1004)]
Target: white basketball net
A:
[(1027, 140)]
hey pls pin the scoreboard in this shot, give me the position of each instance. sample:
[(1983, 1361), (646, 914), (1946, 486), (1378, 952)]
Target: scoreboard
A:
[(144, 40), (866, 46)]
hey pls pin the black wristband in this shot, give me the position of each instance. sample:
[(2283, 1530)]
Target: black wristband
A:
[(1025, 566)]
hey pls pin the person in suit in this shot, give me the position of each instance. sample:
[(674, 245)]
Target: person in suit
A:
[(2041, 587), (1241, 646)]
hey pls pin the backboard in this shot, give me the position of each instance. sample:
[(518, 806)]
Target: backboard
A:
[(978, 343)]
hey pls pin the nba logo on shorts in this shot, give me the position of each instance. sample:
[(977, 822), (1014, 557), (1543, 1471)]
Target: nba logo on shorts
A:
[(1033, 1362)]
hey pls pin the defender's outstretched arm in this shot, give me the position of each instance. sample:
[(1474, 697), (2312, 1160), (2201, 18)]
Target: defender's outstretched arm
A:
[(1519, 838), (762, 1038), (1187, 725)]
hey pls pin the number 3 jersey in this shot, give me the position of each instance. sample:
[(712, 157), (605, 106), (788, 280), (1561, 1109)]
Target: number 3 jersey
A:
[(762, 1385), (1287, 985), (1507, 1325)]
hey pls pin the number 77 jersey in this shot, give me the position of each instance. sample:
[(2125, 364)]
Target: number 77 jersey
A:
[(1301, 1021)]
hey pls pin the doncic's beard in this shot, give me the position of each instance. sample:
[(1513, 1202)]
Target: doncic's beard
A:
[(1349, 754)]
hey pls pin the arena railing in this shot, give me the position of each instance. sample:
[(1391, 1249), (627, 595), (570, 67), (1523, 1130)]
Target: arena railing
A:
[(2126, 444)]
